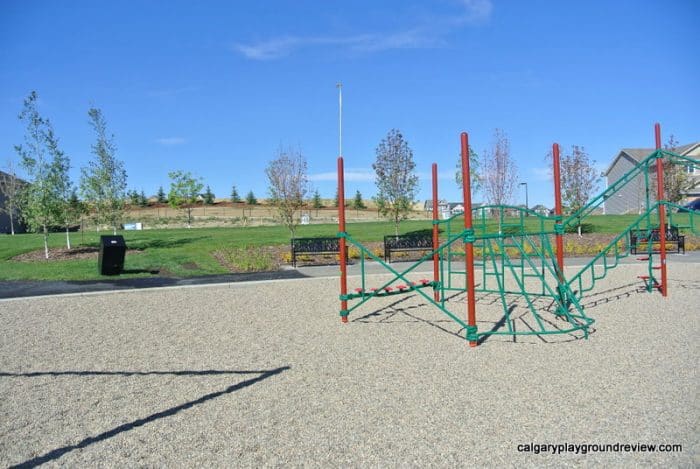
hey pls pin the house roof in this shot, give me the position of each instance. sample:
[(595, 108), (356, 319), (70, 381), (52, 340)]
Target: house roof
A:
[(3, 175), (639, 154)]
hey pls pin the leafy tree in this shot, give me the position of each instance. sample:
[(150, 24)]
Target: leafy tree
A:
[(288, 185), (578, 178), (250, 199), (235, 198), (500, 173), (64, 188), (357, 202), (103, 181), (161, 198), (184, 190), (11, 189), (208, 197), (43, 162), (396, 179), (474, 171), (676, 179), (335, 199), (73, 210)]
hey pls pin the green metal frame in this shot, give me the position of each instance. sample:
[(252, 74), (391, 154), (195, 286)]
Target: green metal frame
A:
[(514, 247)]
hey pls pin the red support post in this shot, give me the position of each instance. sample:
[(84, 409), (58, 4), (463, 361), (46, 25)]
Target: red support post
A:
[(556, 172), (662, 210), (469, 246), (436, 240), (343, 243)]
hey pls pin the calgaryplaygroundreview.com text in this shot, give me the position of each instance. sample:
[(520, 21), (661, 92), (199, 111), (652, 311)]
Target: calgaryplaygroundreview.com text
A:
[(585, 448)]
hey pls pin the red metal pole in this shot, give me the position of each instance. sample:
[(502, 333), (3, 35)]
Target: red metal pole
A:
[(436, 240), (341, 229), (469, 247), (662, 210), (557, 208)]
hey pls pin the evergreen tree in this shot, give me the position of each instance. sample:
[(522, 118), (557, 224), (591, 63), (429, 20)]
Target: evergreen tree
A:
[(357, 202), (161, 196), (250, 199), (316, 202), (235, 198), (209, 197)]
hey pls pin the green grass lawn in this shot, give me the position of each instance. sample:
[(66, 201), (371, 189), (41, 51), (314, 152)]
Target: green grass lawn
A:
[(188, 252)]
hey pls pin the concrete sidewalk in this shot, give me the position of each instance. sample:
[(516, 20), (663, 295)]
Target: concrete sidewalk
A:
[(28, 288)]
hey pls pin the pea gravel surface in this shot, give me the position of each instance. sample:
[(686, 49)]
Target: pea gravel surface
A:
[(265, 374)]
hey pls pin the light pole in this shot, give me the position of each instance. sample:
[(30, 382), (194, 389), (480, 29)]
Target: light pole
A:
[(340, 118), (527, 205)]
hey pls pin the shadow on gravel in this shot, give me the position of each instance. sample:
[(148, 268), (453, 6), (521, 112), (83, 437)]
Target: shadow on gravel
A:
[(58, 452)]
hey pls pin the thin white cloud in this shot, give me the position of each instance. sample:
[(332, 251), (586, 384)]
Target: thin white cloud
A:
[(477, 10), (422, 36), (542, 173), (351, 175), (171, 141)]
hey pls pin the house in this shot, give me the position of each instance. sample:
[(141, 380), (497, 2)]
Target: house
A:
[(447, 209), (5, 226), (631, 198)]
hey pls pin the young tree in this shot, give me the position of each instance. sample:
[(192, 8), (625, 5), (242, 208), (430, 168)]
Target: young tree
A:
[(335, 199), (250, 198), (161, 198), (235, 198), (357, 202), (474, 171), (579, 179), (103, 181), (10, 188), (316, 201), (208, 196), (42, 160), (288, 185), (64, 188), (396, 178), (500, 173), (72, 212), (184, 190)]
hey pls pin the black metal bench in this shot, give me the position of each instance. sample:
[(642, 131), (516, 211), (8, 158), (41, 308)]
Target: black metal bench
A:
[(407, 242), (653, 236), (314, 246)]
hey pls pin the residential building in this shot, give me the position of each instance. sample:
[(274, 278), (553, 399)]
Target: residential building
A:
[(5, 217), (631, 198)]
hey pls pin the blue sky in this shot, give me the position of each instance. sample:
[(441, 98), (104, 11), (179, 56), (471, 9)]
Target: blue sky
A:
[(216, 87)]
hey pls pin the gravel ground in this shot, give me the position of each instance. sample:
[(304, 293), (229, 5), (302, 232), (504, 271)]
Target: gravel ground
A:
[(266, 375)]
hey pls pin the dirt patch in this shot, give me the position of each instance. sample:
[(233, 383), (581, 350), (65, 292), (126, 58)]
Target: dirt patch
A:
[(190, 266), (64, 254)]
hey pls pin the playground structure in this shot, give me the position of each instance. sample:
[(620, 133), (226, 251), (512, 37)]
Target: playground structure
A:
[(512, 248)]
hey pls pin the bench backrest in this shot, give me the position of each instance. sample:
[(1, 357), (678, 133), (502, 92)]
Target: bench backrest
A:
[(408, 241), (316, 244)]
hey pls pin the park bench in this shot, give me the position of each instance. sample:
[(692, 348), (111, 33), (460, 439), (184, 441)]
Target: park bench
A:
[(407, 242), (653, 236), (314, 246)]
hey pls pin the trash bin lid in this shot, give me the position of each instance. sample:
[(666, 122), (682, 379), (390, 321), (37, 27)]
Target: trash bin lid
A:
[(111, 240)]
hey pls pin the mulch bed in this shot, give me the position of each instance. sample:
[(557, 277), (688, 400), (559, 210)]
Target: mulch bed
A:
[(64, 254)]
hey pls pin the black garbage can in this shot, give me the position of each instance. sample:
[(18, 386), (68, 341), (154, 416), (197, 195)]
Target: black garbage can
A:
[(111, 258)]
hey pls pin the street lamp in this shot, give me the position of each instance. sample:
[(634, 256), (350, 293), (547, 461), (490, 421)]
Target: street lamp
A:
[(527, 205)]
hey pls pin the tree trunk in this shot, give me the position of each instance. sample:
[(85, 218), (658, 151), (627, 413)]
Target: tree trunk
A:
[(67, 237), (12, 224), (46, 242)]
